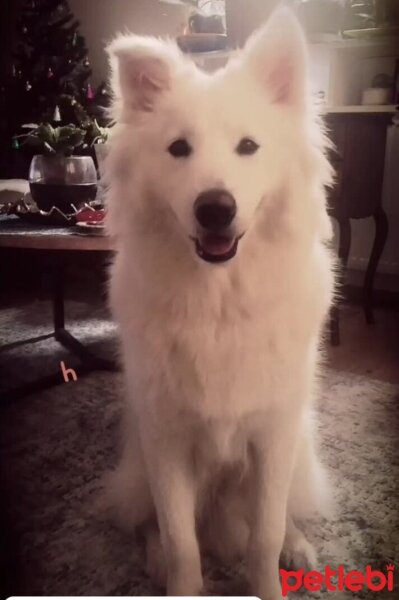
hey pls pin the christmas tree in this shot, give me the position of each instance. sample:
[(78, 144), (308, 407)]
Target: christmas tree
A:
[(49, 77)]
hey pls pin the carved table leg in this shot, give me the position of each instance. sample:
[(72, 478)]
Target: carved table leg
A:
[(345, 234), (381, 234)]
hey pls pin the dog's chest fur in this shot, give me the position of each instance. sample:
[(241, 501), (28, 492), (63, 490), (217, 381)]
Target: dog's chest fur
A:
[(222, 350)]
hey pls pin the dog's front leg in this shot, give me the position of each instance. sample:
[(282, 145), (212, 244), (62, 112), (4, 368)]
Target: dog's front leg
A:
[(174, 492), (272, 450)]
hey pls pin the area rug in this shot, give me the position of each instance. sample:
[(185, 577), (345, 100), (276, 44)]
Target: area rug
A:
[(56, 446)]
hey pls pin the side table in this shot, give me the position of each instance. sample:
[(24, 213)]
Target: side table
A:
[(359, 159)]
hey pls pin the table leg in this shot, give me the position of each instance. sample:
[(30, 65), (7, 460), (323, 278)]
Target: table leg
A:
[(89, 361), (345, 236), (63, 336), (381, 235), (58, 295)]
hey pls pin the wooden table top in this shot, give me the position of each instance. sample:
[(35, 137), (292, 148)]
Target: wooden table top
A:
[(16, 233)]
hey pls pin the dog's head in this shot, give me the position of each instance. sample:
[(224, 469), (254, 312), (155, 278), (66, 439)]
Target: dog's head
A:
[(213, 148)]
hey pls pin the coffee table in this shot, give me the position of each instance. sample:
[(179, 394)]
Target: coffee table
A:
[(60, 242)]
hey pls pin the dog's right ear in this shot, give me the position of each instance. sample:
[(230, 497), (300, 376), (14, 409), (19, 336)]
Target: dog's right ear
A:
[(142, 70)]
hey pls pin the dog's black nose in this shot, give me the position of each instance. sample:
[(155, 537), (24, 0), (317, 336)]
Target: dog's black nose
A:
[(215, 209)]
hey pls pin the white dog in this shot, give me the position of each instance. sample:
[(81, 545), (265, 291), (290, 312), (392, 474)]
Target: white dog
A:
[(221, 284)]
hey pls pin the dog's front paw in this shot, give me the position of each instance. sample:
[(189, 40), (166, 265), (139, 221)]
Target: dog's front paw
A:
[(298, 554), (266, 585), (188, 584), (267, 594), (184, 576)]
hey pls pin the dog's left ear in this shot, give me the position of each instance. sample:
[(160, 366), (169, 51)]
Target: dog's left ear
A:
[(278, 57)]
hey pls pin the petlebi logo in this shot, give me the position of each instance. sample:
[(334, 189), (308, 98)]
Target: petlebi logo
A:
[(338, 580)]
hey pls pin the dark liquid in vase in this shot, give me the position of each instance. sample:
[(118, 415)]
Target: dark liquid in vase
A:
[(47, 195)]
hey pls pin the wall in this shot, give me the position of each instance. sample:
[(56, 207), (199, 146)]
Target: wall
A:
[(100, 20)]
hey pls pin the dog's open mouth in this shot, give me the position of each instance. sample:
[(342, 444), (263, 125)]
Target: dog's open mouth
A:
[(216, 247)]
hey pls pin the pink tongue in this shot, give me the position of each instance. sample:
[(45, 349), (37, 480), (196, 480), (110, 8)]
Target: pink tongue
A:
[(216, 244)]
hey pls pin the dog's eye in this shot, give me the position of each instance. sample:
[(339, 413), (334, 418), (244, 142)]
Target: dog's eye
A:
[(247, 147), (180, 149)]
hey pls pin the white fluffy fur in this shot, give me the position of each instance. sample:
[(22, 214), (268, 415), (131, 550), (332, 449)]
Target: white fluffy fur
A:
[(220, 360)]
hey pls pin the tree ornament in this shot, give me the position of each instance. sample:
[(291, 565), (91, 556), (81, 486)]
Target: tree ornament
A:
[(28, 86), (24, 30), (50, 73), (86, 63), (89, 93), (57, 115)]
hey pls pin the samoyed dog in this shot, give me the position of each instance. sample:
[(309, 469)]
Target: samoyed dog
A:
[(221, 284)]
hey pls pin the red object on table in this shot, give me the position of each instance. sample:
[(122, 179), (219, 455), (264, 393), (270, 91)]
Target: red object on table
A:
[(91, 216)]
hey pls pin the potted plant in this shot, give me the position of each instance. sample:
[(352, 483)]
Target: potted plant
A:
[(205, 31), (57, 178), (97, 137), (203, 20)]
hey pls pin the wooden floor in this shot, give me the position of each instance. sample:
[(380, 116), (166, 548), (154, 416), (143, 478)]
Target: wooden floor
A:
[(371, 350)]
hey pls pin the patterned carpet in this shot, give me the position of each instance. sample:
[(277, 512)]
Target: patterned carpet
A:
[(55, 446)]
